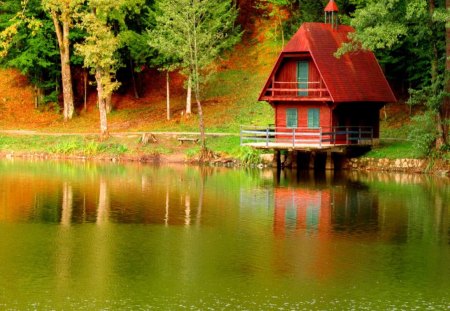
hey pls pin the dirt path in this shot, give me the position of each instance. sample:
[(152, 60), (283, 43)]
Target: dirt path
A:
[(119, 134)]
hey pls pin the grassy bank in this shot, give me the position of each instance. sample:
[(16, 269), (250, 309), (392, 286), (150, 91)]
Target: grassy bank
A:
[(167, 147)]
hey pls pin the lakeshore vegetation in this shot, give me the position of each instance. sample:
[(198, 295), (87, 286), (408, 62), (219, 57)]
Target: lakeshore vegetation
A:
[(78, 55)]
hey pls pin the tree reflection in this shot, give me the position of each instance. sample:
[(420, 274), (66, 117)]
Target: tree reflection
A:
[(103, 202), (67, 204)]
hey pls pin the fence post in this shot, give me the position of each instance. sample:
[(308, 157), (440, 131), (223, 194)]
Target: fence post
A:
[(346, 135), (333, 129), (371, 136), (267, 137), (293, 137), (320, 138)]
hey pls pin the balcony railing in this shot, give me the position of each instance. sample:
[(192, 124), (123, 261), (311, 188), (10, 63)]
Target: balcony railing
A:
[(315, 89), (282, 137)]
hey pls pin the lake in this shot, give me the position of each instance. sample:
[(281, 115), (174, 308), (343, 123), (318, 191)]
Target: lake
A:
[(83, 235)]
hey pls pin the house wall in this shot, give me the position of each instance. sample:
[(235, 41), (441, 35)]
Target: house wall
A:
[(302, 108), (288, 73)]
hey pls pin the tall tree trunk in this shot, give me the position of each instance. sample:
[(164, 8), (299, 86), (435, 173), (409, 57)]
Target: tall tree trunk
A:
[(85, 77), (434, 74), (102, 105), (445, 108), (196, 77), (62, 34), (168, 94), (201, 125), (189, 96)]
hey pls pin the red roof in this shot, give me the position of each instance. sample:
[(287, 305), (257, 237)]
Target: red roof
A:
[(355, 77), (331, 7)]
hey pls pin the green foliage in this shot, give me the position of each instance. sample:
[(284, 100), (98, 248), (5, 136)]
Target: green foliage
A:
[(404, 35), (28, 44), (100, 46), (423, 132), (249, 155), (66, 147), (191, 34)]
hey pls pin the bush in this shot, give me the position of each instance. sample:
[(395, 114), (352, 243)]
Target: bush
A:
[(423, 132), (249, 155)]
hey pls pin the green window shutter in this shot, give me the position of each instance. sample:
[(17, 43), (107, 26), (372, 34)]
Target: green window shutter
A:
[(302, 77), (291, 117), (313, 117)]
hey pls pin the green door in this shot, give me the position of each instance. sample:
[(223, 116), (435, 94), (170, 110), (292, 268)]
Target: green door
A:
[(302, 77), (313, 117)]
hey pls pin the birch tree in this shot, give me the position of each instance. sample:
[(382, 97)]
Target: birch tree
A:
[(195, 31), (62, 13), (99, 51)]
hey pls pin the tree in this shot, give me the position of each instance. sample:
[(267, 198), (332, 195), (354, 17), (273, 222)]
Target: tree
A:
[(62, 13), (195, 31), (408, 37), (27, 44), (99, 51)]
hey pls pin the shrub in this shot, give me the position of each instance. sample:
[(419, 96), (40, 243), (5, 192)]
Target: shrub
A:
[(423, 132)]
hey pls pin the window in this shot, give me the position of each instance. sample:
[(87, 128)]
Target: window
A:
[(291, 117), (302, 77), (313, 117)]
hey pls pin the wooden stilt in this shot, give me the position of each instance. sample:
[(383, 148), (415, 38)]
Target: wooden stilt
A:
[(329, 164)]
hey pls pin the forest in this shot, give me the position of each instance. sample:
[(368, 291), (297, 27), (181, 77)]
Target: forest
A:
[(64, 46)]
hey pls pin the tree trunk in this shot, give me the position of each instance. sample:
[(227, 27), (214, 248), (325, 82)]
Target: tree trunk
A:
[(434, 74), (62, 34), (281, 30), (168, 94), (202, 127), (200, 118), (445, 108), (108, 101), (189, 97), (67, 74), (135, 88), (85, 77), (102, 105)]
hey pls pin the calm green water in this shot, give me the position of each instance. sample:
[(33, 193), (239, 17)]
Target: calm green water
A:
[(91, 236)]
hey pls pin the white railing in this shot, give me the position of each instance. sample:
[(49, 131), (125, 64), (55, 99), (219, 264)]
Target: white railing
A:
[(314, 88), (267, 137)]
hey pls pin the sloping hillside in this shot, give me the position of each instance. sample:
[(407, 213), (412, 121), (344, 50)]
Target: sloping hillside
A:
[(229, 96)]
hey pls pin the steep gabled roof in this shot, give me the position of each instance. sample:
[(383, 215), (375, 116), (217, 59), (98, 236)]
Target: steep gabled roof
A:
[(355, 77)]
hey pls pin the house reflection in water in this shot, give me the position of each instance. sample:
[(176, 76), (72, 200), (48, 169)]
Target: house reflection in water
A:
[(319, 204)]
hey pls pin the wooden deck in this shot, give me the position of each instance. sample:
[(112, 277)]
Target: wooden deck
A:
[(335, 139)]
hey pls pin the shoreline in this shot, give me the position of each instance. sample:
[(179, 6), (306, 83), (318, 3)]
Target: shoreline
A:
[(407, 166), (170, 147)]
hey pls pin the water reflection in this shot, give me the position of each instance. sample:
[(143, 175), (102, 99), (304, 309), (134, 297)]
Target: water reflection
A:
[(209, 234), (69, 193), (392, 207)]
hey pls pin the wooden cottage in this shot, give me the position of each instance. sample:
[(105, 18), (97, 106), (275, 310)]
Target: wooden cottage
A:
[(320, 99)]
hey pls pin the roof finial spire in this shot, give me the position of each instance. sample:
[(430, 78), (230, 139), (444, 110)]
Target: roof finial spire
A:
[(331, 16)]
